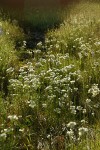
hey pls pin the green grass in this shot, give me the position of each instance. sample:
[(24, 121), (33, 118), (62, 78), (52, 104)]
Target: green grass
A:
[(52, 101)]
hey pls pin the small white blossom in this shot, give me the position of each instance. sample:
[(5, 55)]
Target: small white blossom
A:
[(21, 130), (94, 90), (3, 135), (48, 136), (32, 104), (12, 117), (10, 70), (88, 101), (73, 111), (57, 110), (83, 121), (70, 133), (39, 44), (79, 108), (83, 129), (71, 124), (84, 111), (44, 105)]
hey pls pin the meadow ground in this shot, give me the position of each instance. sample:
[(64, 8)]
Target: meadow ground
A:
[(50, 94)]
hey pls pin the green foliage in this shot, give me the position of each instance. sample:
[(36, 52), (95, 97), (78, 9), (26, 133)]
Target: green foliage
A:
[(53, 99), (10, 36)]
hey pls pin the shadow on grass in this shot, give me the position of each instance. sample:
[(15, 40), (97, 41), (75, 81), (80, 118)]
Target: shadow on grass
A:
[(35, 22)]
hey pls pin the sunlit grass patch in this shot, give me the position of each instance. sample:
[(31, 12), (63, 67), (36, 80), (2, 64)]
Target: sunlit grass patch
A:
[(10, 36)]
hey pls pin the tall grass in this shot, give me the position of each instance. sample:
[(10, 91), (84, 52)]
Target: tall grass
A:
[(53, 100)]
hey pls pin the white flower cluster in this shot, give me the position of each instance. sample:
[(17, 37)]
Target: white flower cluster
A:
[(82, 131), (13, 117), (31, 103), (3, 136), (5, 132), (94, 90), (71, 124), (10, 70)]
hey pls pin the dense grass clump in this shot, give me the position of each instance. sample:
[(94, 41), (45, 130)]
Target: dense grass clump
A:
[(51, 101), (10, 35)]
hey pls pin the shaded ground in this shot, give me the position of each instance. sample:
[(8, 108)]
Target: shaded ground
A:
[(35, 21)]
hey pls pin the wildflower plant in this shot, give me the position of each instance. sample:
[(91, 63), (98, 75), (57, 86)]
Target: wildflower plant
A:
[(53, 99)]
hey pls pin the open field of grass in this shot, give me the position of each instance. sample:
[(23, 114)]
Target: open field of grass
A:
[(50, 94)]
